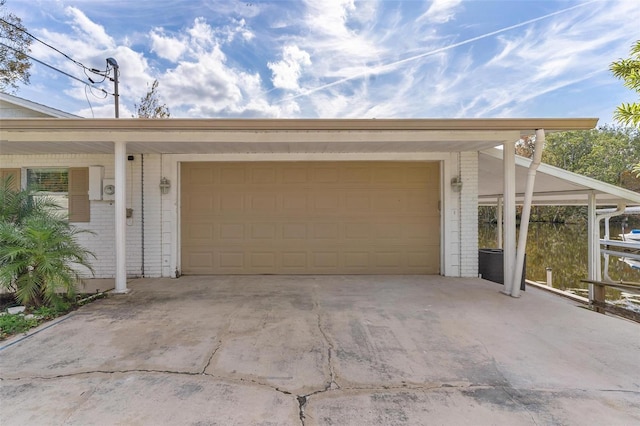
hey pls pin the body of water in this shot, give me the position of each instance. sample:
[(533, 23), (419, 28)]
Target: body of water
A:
[(564, 249)]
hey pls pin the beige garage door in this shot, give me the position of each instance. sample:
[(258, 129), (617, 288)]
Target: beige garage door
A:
[(310, 218)]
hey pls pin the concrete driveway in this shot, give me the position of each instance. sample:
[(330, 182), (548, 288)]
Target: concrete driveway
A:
[(286, 350)]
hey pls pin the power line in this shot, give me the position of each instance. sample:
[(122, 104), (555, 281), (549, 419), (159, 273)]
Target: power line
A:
[(80, 64), (55, 69)]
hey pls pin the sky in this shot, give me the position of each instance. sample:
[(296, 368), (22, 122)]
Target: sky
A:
[(334, 58)]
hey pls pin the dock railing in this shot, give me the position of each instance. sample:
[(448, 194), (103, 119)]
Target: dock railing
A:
[(599, 303)]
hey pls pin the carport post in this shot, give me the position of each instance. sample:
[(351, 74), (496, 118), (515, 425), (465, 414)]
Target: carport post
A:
[(120, 152), (509, 252), (499, 220)]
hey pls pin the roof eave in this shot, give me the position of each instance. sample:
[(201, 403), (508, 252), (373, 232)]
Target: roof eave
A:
[(523, 125)]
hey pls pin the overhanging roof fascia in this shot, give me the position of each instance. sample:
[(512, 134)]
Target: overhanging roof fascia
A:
[(29, 136), (589, 184), (525, 126), (43, 109)]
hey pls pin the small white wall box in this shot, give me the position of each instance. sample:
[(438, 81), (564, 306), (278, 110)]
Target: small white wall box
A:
[(96, 173), (108, 189)]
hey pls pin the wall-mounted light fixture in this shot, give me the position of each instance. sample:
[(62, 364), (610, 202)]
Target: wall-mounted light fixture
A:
[(456, 184), (165, 185)]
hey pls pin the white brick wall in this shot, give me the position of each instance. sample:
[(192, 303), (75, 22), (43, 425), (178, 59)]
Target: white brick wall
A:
[(152, 216), (102, 243), (469, 214)]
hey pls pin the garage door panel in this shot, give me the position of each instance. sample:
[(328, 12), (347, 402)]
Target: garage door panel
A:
[(231, 259), (264, 175), (201, 176), (356, 174), (356, 259), (200, 202), (297, 202), (325, 202), (200, 231), (357, 230), (228, 203), (356, 201), (294, 259), (326, 231), (295, 231), (231, 231), (325, 175), (230, 175), (315, 218), (294, 175), (325, 260)]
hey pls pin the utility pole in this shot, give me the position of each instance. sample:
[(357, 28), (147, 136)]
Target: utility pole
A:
[(116, 72)]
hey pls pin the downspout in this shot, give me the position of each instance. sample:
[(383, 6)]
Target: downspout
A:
[(526, 213)]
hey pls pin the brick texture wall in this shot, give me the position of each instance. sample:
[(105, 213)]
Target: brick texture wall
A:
[(469, 214), (102, 241)]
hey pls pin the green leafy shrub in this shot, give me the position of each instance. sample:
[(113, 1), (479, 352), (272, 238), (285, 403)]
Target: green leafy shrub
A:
[(12, 324), (39, 254)]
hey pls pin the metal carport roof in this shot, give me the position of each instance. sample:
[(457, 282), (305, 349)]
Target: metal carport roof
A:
[(553, 186)]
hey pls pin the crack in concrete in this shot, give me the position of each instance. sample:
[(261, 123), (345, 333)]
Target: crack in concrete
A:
[(108, 372), (619, 390), (330, 351), (212, 355), (515, 401), (304, 399)]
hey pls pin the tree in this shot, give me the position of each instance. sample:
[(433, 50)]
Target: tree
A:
[(14, 47), (38, 249), (525, 147), (149, 106), (606, 153), (628, 70)]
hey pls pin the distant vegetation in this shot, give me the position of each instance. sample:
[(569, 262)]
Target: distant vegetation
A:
[(608, 154)]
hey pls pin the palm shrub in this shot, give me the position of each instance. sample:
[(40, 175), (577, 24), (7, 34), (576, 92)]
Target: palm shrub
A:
[(39, 254)]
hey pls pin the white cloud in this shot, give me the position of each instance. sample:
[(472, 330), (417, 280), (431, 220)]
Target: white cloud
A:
[(169, 48), (332, 42), (441, 11), (208, 87), (238, 27), (201, 36), (94, 32), (286, 72), (552, 55)]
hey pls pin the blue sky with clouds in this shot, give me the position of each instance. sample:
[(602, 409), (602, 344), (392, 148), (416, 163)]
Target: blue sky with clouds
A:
[(337, 58)]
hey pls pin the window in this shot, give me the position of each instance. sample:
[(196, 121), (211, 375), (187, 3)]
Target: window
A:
[(52, 183), (68, 187)]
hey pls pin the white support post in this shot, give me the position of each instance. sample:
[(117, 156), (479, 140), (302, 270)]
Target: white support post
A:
[(499, 219), (593, 243), (526, 211), (509, 252), (120, 149), (594, 257)]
